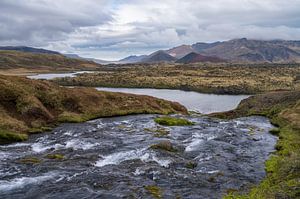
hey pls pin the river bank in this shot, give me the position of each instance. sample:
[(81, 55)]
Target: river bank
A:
[(33, 106)]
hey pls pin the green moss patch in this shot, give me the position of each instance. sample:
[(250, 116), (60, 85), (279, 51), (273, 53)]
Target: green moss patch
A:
[(155, 191), (30, 160), (9, 137), (55, 156), (191, 165), (158, 132), (173, 121)]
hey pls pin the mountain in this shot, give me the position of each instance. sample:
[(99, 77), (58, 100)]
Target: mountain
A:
[(244, 50), (10, 59), (195, 57), (132, 59), (200, 46), (28, 49), (159, 56), (180, 51)]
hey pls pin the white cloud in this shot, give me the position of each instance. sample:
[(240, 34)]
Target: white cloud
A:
[(113, 29)]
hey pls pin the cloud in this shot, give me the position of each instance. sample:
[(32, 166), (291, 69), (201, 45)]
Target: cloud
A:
[(113, 29)]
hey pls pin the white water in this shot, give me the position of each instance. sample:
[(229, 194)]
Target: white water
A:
[(141, 154), (18, 183)]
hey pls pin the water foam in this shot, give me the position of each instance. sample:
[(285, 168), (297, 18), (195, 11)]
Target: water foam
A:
[(19, 183), (142, 154)]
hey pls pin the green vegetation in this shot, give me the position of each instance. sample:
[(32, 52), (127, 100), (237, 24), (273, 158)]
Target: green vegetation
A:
[(30, 160), (200, 77), (158, 132), (173, 121), (191, 165), (164, 145), (283, 176), (32, 106), (55, 156), (8, 137), (155, 191), (275, 131)]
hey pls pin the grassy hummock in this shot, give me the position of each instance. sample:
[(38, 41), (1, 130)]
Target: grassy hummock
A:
[(173, 121)]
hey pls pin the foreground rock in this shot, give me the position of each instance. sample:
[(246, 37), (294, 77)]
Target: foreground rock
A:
[(32, 106)]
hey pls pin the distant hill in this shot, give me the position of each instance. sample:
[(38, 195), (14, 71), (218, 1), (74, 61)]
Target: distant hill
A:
[(10, 59), (195, 57), (132, 59), (159, 56), (245, 50), (98, 61), (28, 49), (252, 51), (180, 51)]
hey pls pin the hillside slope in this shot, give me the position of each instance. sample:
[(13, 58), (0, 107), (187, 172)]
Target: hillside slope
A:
[(159, 56), (30, 106), (37, 61), (28, 49), (195, 57)]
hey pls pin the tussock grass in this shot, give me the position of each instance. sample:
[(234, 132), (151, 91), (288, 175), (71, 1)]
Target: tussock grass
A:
[(31, 106)]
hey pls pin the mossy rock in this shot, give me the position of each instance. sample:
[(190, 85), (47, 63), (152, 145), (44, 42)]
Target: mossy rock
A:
[(173, 121), (164, 145), (155, 191), (191, 165), (30, 160), (275, 131), (159, 132), (9, 137), (55, 156)]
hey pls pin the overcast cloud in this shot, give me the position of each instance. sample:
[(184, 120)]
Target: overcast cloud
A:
[(115, 29)]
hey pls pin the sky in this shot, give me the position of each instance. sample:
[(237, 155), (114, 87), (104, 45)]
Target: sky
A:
[(114, 29)]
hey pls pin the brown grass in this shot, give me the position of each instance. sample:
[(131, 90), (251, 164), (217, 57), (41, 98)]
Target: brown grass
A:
[(207, 78), (33, 104)]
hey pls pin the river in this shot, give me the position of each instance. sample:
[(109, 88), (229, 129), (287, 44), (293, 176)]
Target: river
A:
[(114, 158)]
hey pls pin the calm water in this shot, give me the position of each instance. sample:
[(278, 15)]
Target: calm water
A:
[(49, 76), (200, 102)]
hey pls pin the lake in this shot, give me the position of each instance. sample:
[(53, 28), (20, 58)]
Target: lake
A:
[(200, 102)]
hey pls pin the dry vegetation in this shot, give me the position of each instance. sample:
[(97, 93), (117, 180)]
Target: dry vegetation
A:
[(207, 78), (31, 106), (20, 62)]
